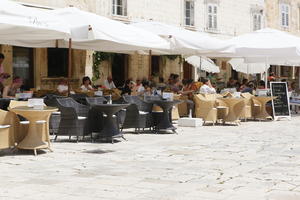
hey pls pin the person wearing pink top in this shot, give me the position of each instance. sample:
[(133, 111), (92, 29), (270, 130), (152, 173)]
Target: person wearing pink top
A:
[(3, 75)]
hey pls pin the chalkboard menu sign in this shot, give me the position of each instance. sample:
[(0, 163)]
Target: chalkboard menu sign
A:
[(281, 104)]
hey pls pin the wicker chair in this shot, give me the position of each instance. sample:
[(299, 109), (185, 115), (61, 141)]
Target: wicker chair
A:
[(247, 113), (138, 114), (79, 97), (95, 118), (205, 109), (7, 131), (74, 117), (50, 100), (21, 124)]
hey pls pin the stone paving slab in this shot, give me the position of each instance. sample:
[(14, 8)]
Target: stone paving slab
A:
[(255, 161)]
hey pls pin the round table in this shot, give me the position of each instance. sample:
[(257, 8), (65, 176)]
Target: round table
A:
[(111, 128), (232, 116), (166, 122), (263, 114), (34, 138)]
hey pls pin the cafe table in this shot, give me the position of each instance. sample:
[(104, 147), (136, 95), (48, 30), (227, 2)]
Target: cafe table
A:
[(111, 127), (263, 100), (233, 114), (165, 124), (35, 137)]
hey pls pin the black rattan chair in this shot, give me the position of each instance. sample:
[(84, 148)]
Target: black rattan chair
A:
[(95, 118), (138, 114), (50, 100), (74, 118)]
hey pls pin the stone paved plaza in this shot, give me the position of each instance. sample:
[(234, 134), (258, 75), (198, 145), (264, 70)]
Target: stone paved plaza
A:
[(257, 160)]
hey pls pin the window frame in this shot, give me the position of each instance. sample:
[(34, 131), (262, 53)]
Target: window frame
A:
[(122, 6), (257, 21), (191, 16), (285, 12), (212, 16)]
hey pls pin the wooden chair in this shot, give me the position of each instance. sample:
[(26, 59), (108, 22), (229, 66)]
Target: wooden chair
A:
[(7, 131)]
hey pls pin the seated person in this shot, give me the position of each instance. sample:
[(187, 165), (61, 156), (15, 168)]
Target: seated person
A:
[(128, 87), (261, 85), (86, 84), (249, 88), (11, 90), (207, 88), (244, 84), (161, 84), (62, 87), (188, 88), (231, 83), (109, 83), (145, 89)]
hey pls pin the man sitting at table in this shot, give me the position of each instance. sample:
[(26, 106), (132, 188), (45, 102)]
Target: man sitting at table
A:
[(207, 88), (11, 90), (109, 83)]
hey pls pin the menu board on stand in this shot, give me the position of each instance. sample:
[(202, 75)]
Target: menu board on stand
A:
[(281, 101)]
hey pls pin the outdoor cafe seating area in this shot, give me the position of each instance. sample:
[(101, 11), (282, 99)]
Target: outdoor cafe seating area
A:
[(27, 120), (29, 124)]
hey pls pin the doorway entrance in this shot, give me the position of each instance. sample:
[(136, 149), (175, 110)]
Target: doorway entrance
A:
[(119, 69), (187, 71), (23, 66), (155, 67)]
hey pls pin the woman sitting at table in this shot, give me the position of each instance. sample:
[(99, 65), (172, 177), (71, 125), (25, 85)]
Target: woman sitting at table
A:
[(11, 90), (86, 84), (207, 88), (128, 87), (188, 88)]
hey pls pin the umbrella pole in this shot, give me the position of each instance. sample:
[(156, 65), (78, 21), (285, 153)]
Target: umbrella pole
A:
[(293, 76), (150, 63), (299, 77), (200, 67), (70, 66), (266, 74)]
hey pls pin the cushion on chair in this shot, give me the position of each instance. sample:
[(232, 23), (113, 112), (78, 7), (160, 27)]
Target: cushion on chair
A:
[(4, 126), (41, 122), (56, 113), (143, 113), (82, 118)]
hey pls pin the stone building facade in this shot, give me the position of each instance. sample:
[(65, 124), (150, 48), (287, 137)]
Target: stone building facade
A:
[(222, 19), (284, 15)]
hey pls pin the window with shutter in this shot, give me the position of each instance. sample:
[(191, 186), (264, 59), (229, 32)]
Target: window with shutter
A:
[(285, 15), (189, 13), (257, 21), (119, 7), (212, 10)]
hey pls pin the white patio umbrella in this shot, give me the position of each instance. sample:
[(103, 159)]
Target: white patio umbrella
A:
[(203, 63), (185, 42), (93, 32), (29, 27), (239, 64), (266, 44)]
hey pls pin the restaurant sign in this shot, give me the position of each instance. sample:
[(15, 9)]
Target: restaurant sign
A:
[(281, 101)]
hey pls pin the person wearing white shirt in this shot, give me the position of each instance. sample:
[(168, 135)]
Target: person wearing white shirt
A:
[(86, 84), (63, 88), (207, 88), (109, 83)]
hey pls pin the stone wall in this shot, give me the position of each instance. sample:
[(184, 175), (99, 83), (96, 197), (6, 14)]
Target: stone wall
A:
[(273, 15), (234, 18)]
